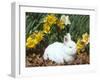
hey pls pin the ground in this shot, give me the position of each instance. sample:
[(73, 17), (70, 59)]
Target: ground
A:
[(36, 60)]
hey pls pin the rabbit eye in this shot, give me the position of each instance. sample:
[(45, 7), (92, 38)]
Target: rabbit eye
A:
[(70, 47)]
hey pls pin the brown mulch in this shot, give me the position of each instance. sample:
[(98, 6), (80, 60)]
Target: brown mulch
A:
[(34, 60)]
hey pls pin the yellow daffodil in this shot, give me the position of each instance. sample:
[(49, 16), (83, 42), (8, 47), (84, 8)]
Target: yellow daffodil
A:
[(50, 19), (46, 28), (29, 39), (85, 38), (32, 41), (39, 36), (81, 43), (65, 19), (60, 24), (35, 41)]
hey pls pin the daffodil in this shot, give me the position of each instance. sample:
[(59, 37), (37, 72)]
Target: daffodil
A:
[(65, 19), (60, 24), (81, 43), (29, 39), (34, 39), (85, 38), (46, 28), (39, 36), (50, 19), (30, 42)]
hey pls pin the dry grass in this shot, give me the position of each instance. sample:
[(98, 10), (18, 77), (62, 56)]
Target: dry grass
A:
[(34, 60)]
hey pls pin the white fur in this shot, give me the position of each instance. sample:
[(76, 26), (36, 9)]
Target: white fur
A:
[(60, 52)]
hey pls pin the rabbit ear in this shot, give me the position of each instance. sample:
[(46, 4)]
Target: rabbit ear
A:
[(65, 39), (68, 36)]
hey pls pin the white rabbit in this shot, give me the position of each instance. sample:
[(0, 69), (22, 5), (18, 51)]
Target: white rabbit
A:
[(61, 52)]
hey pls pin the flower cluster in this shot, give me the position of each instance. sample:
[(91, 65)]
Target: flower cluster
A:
[(64, 21), (52, 19), (81, 43), (49, 21), (34, 39)]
